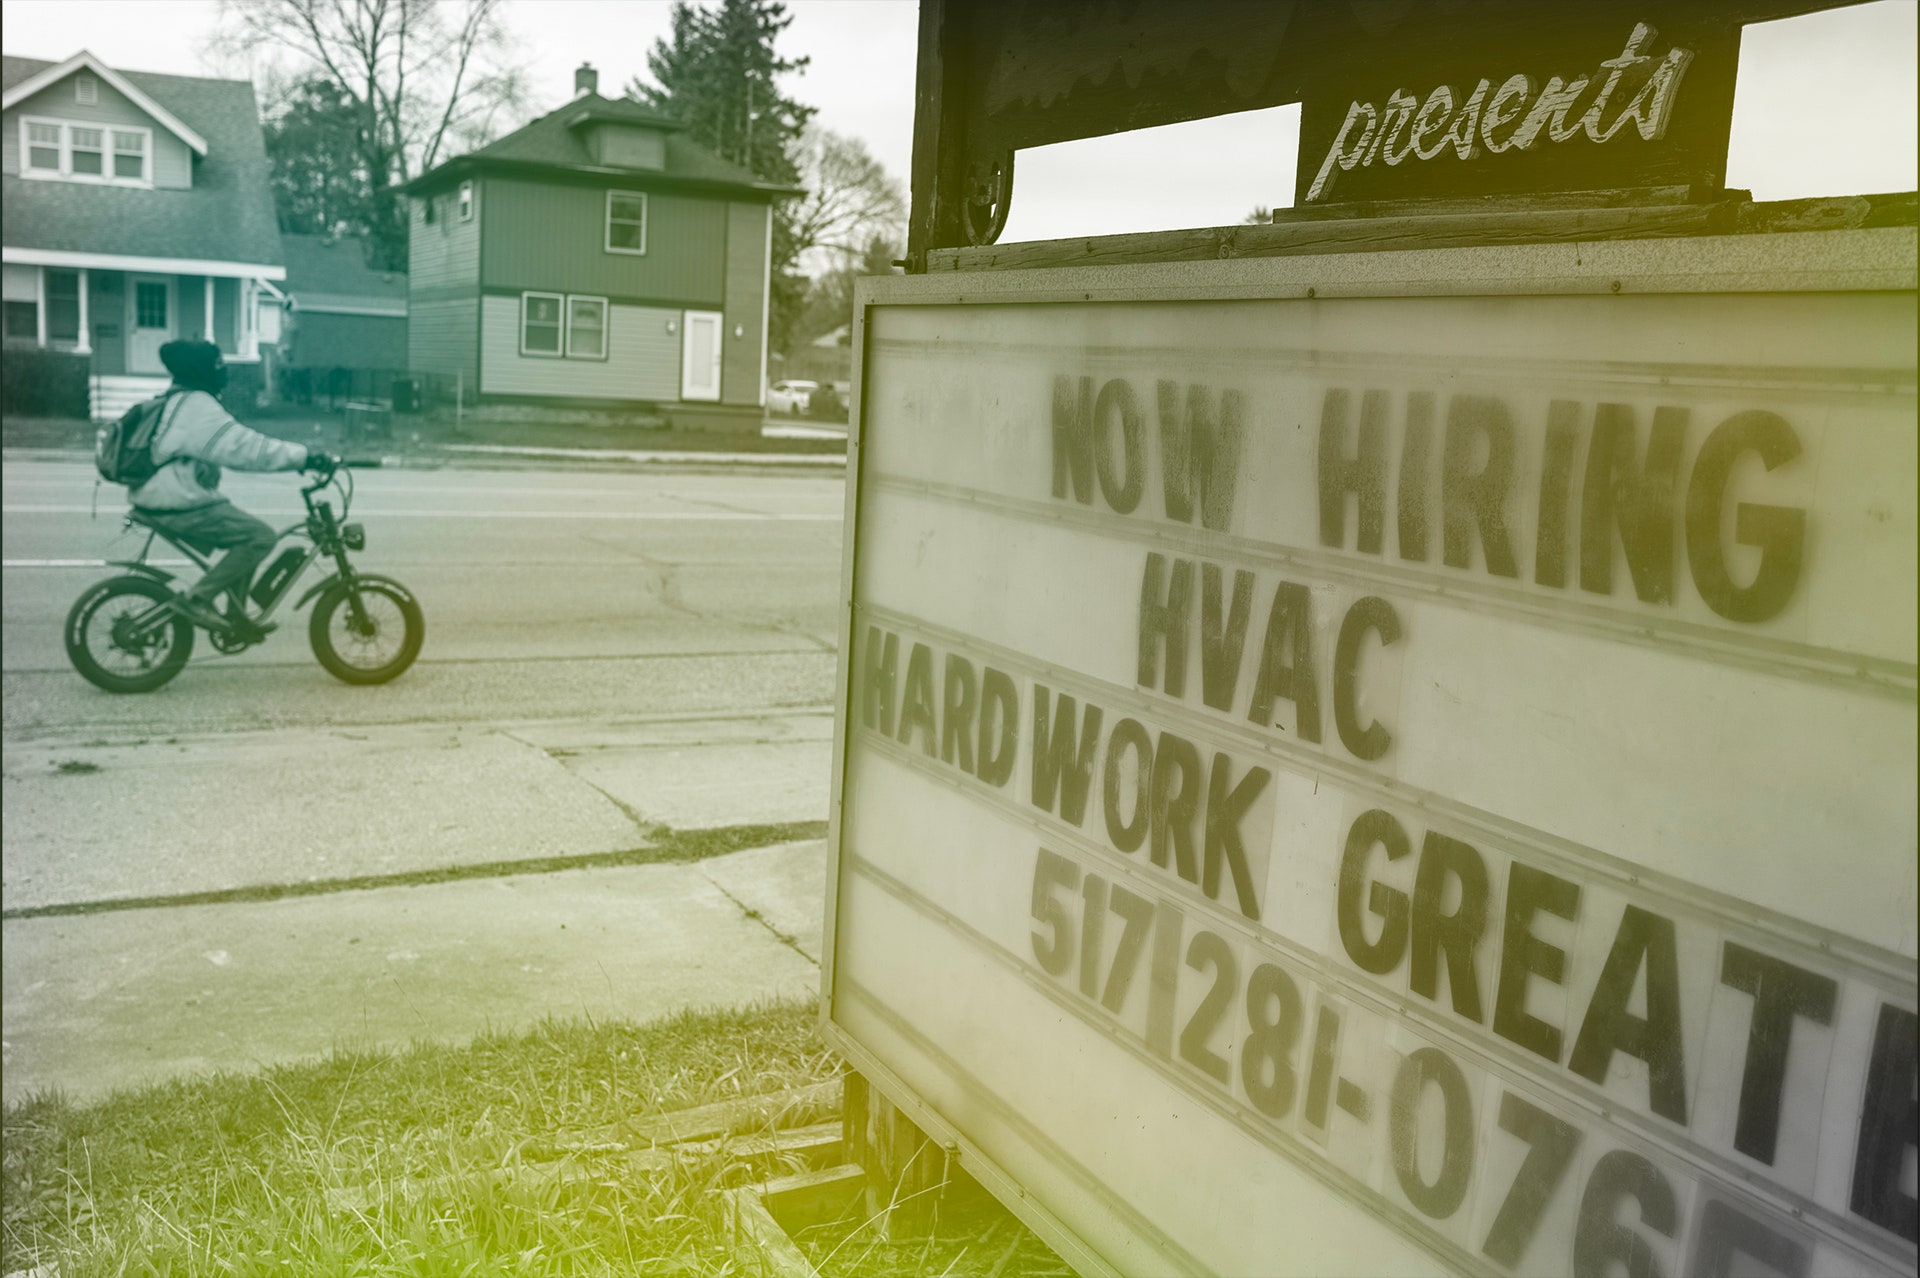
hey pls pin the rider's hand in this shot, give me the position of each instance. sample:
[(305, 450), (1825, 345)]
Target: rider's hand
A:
[(320, 463)]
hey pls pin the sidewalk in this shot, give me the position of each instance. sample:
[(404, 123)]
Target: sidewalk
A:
[(117, 994)]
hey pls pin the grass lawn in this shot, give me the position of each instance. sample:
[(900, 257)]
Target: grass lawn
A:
[(522, 1154)]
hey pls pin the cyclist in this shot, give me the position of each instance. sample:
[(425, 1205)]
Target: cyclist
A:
[(196, 437)]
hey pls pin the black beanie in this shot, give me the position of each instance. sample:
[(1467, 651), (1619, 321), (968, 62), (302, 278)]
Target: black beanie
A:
[(194, 363)]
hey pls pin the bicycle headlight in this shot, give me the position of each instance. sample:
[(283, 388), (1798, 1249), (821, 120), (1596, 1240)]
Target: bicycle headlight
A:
[(354, 536)]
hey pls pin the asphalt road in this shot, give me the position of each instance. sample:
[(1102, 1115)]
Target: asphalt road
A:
[(608, 653), (547, 594)]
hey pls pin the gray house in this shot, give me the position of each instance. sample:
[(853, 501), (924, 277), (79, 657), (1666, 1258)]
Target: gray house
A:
[(137, 209), (597, 258)]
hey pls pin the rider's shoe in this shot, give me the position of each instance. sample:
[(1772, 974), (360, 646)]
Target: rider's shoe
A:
[(246, 628)]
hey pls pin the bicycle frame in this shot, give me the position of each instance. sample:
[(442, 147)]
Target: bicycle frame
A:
[(328, 534)]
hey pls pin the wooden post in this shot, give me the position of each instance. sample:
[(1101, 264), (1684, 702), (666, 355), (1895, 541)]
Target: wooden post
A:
[(907, 1171)]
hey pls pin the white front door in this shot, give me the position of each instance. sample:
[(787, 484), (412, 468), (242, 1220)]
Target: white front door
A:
[(700, 356), (152, 305)]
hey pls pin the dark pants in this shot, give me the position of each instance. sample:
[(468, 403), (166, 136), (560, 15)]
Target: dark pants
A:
[(220, 526)]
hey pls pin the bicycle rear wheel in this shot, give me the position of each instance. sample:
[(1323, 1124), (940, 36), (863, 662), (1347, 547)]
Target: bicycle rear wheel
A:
[(117, 641)]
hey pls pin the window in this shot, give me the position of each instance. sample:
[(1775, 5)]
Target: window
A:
[(540, 323), (84, 151), (63, 306), (149, 305), (586, 328), (86, 90), (466, 201), (43, 146), (129, 155), (22, 290), (559, 325), (626, 222), (426, 210), (79, 153), (23, 321)]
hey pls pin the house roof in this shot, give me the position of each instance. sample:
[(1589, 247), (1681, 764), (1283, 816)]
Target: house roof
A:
[(330, 273), (553, 143), (618, 110), (54, 74), (227, 215)]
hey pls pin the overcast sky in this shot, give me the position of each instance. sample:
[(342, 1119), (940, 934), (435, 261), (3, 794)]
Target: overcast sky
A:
[(1826, 104)]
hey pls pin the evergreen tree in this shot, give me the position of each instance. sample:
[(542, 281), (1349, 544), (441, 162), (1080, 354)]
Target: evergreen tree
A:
[(320, 180), (716, 72)]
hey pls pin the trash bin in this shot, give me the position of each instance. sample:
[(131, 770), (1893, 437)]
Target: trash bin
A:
[(406, 395)]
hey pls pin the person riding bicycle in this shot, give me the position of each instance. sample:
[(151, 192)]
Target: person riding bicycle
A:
[(195, 438)]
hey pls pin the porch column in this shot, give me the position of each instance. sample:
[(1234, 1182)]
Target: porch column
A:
[(208, 308), (86, 330), (247, 339), (40, 305)]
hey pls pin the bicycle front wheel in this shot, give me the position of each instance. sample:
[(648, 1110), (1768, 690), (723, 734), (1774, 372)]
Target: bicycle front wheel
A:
[(367, 630)]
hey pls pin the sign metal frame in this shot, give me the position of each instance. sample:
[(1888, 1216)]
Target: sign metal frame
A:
[(1865, 260)]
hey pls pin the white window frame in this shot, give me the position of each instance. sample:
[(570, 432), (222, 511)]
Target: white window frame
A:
[(606, 239), (560, 352), (606, 317), (65, 172), (466, 201), (566, 350), (114, 134)]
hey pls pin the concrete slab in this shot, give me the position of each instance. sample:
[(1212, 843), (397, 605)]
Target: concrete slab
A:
[(696, 774), (93, 822), (89, 1003), (785, 885)]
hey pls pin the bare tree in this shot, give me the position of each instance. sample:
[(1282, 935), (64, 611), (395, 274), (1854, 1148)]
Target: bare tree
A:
[(851, 199), (425, 77)]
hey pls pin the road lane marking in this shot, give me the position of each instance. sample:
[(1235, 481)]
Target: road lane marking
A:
[(87, 563), (664, 516)]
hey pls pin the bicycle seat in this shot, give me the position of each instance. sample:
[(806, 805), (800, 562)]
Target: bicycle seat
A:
[(136, 516)]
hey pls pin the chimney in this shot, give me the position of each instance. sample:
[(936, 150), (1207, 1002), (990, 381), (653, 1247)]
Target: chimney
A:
[(586, 80)]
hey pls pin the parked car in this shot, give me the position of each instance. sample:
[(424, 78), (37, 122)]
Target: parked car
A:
[(790, 398)]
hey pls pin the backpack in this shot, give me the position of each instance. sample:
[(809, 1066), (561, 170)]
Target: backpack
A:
[(123, 450)]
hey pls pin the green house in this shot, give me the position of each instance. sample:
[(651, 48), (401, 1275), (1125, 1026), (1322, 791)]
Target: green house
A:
[(596, 259)]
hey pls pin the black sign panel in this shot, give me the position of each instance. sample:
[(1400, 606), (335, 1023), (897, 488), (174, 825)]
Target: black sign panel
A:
[(1579, 94), (1502, 99)]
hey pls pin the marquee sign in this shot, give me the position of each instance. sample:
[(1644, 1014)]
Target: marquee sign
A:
[(1400, 763)]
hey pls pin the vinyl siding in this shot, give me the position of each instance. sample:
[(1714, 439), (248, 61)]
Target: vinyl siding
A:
[(190, 299), (226, 304), (643, 358), (625, 148), (445, 253), (348, 341), (441, 337), (172, 158), (740, 371), (553, 237)]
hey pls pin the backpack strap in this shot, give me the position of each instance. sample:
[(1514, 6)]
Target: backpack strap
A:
[(171, 401)]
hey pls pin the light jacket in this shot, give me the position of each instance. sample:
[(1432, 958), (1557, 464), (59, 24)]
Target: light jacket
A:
[(195, 439)]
